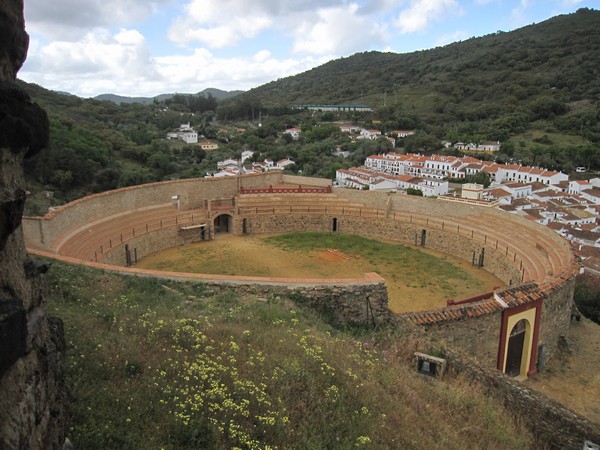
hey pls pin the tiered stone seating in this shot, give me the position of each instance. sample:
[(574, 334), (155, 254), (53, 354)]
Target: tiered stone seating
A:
[(88, 240), (295, 202)]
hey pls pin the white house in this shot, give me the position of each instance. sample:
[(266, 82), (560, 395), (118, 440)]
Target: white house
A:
[(283, 163), (349, 128), (592, 195), (369, 134), (486, 146), (229, 163), (502, 195), (246, 154), (403, 133), (294, 132), (577, 186), (518, 190), (472, 191), (525, 174)]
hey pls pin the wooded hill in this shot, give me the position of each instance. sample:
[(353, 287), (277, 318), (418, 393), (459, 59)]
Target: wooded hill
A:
[(494, 86)]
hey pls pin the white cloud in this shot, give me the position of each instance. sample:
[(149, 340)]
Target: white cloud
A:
[(337, 30), (422, 13), (202, 69), (226, 23), (518, 13), (72, 19), (451, 37), (216, 34), (98, 59), (120, 63)]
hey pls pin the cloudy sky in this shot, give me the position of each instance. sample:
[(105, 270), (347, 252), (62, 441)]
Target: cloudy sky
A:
[(149, 47)]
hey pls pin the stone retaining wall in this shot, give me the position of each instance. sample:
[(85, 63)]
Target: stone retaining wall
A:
[(478, 336), (556, 316), (356, 304), (554, 426), (41, 232)]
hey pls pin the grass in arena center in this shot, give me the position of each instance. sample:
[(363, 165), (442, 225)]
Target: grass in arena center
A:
[(416, 279)]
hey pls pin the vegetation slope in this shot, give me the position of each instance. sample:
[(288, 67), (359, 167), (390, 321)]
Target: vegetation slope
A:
[(158, 364)]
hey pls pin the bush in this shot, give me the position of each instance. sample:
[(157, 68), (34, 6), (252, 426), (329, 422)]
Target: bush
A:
[(587, 296)]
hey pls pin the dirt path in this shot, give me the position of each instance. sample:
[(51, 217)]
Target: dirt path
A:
[(574, 379), (409, 289)]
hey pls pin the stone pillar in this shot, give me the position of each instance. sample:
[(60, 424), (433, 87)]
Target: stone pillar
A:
[(32, 390)]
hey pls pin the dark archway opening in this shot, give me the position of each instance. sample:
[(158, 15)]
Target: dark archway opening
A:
[(516, 342), (222, 223)]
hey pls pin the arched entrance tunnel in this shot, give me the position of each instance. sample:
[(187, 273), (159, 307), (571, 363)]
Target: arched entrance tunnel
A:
[(516, 345), (223, 223)]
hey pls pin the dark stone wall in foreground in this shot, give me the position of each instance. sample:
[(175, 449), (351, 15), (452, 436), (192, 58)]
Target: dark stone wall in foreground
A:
[(33, 396)]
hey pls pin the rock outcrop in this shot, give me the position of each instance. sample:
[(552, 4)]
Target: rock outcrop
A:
[(33, 395)]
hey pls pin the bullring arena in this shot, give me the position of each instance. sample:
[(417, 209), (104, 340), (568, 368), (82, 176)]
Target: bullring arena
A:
[(513, 329)]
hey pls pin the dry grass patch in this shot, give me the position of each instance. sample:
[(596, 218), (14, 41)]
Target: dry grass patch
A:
[(417, 279)]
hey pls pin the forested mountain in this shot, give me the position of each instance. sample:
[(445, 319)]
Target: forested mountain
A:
[(216, 93), (536, 89), (501, 82)]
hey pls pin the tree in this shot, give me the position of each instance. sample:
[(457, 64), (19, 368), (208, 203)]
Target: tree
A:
[(482, 177), (413, 191)]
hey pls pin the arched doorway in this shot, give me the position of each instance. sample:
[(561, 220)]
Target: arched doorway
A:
[(516, 349), (223, 223), (519, 335)]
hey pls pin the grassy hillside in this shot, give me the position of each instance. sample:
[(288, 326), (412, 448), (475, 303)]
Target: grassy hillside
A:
[(156, 364)]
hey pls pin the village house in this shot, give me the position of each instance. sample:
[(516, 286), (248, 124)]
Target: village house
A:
[(361, 178), (486, 146), (283, 163), (208, 146), (503, 196), (349, 128), (403, 133), (518, 190), (576, 186), (525, 174), (592, 195), (228, 163), (294, 132), (245, 155), (369, 134), (472, 191), (185, 133)]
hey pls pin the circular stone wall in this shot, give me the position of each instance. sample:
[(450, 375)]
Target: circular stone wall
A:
[(115, 228)]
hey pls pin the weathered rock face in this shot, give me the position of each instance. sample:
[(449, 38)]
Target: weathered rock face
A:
[(32, 390)]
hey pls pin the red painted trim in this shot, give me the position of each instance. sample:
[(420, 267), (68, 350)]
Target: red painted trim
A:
[(287, 190), (475, 298), (534, 339)]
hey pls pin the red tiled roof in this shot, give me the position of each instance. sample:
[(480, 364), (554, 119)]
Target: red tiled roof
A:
[(513, 297)]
